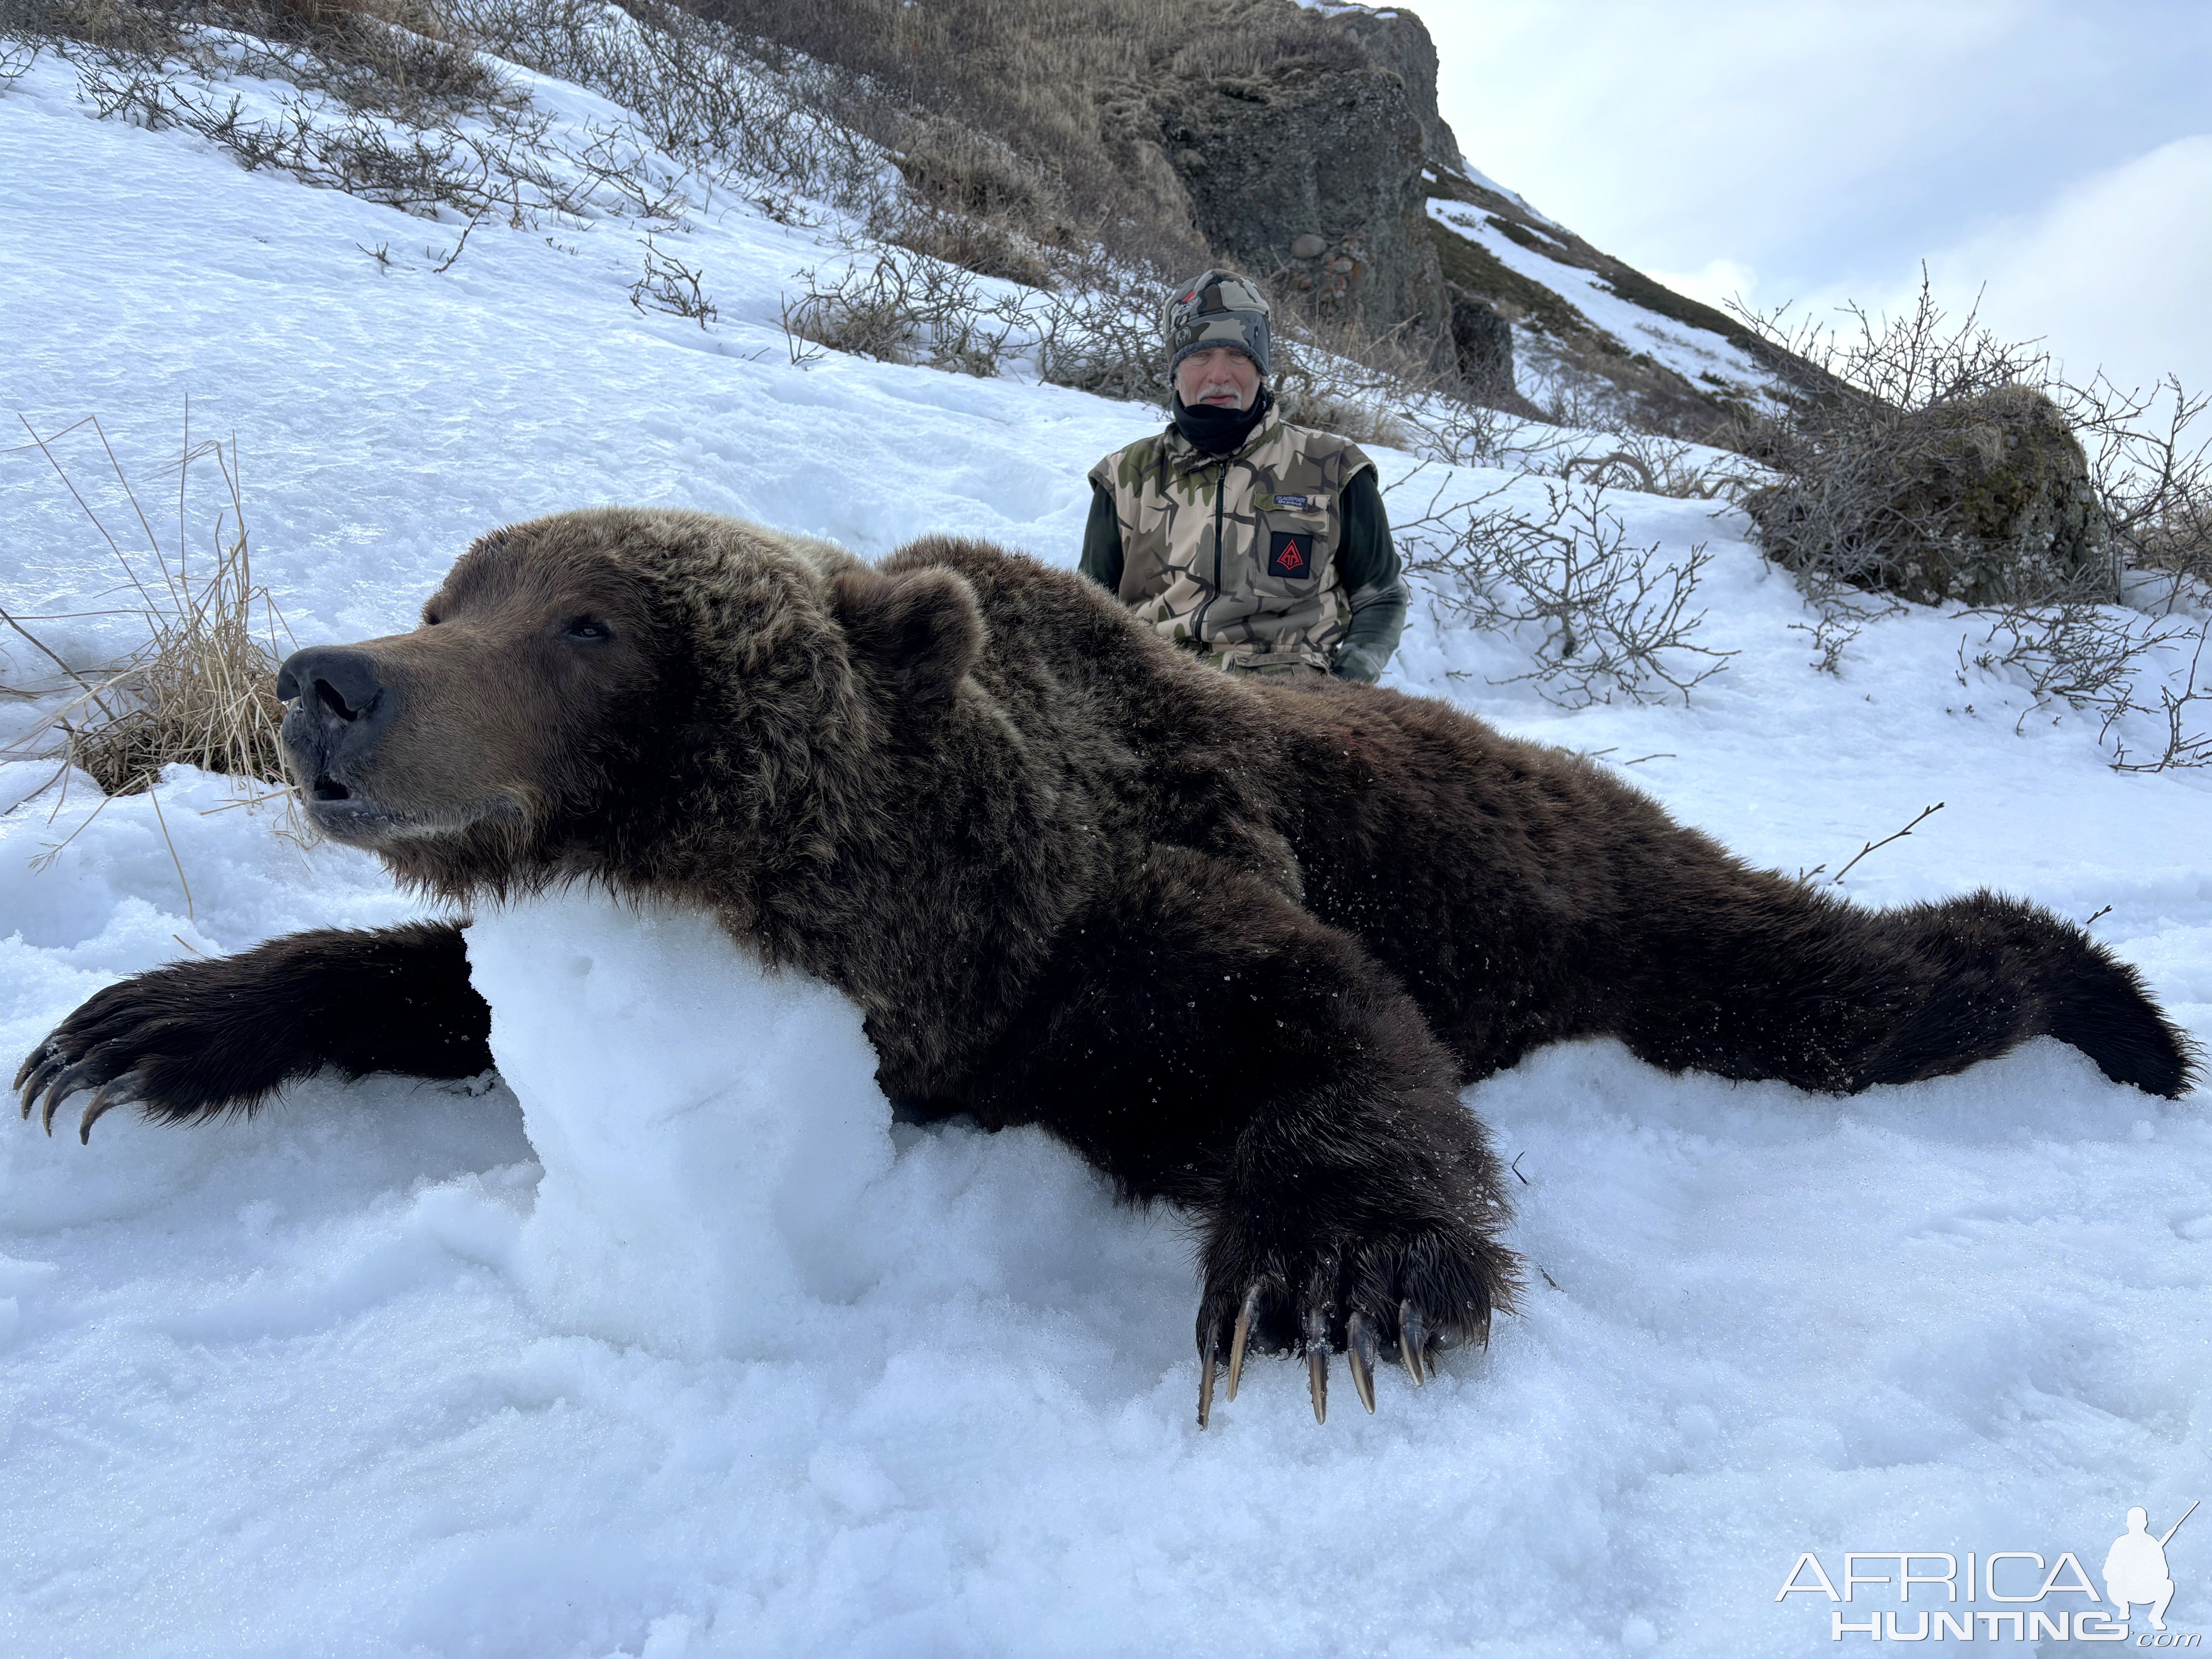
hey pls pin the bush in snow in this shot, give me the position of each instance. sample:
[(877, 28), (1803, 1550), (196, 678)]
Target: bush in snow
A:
[(1927, 463)]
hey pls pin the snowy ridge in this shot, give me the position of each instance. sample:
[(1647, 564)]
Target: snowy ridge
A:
[(1696, 354), (362, 1377)]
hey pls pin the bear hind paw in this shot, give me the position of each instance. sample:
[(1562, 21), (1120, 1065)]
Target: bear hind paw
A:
[(1401, 1304)]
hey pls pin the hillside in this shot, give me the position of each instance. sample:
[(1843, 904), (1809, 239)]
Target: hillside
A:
[(1303, 143), (393, 1370)]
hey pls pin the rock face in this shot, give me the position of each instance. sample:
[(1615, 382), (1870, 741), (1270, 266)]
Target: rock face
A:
[(1310, 174), (1398, 43), (1482, 344), (1980, 502)]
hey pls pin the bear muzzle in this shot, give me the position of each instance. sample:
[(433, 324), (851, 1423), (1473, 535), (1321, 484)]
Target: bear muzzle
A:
[(339, 710), (376, 756)]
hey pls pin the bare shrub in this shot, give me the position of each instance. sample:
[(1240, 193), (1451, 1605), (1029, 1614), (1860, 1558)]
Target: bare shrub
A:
[(670, 285), (389, 99), (988, 244), (1940, 462), (1652, 464), (200, 690), (905, 308), (2153, 467), (1099, 331), (1932, 464), (1335, 377), (1602, 618), (1890, 475)]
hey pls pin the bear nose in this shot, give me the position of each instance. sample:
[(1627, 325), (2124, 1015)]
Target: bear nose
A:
[(340, 706), (341, 682)]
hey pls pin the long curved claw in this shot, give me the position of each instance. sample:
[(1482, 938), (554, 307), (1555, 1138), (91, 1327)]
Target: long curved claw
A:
[(1317, 1359), (1360, 1347), (60, 1089), (109, 1096), (50, 1061), (30, 1062), (1245, 1316), (1211, 1347), (1412, 1336)]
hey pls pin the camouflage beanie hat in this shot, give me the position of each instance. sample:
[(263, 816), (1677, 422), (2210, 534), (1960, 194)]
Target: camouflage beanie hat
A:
[(1216, 309)]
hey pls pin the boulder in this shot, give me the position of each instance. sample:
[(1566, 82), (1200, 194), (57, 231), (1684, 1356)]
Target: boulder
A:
[(1982, 500), (1482, 344)]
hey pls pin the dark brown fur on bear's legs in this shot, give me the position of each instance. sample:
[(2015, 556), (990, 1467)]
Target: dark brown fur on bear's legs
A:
[(200, 1039), (1208, 1041)]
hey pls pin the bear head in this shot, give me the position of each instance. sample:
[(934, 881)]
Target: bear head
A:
[(657, 700)]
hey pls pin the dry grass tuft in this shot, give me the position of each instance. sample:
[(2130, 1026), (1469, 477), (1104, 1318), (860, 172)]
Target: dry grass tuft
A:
[(201, 691)]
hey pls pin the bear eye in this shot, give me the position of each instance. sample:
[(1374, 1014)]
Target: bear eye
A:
[(588, 629)]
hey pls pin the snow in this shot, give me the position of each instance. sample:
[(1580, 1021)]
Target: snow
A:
[(673, 1342), (731, 1180), (1691, 352)]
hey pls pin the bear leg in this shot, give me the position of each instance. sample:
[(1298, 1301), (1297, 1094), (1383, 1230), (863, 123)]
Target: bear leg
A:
[(198, 1039), (1777, 982), (1206, 1040)]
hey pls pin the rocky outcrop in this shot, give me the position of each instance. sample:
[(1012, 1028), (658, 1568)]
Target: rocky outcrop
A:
[(1311, 175), (1398, 43), (1983, 502), (1482, 346)]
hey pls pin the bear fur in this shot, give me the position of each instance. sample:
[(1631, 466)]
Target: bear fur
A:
[(1239, 944)]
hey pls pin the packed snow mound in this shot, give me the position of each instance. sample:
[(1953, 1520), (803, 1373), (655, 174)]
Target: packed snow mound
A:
[(708, 1129)]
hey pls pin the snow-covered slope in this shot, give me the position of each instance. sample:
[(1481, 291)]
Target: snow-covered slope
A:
[(1588, 328), (378, 1373)]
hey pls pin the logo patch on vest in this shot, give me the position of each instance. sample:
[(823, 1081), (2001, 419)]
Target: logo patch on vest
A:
[(1289, 554), (1293, 503)]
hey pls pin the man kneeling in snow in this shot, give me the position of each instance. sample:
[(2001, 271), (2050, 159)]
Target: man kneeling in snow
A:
[(1261, 544)]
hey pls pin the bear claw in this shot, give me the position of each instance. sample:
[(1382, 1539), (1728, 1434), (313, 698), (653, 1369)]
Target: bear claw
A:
[(1245, 1316), (30, 1061), (1412, 1334), (1316, 1336), (108, 1097), (70, 1080), (38, 1067), (1360, 1348)]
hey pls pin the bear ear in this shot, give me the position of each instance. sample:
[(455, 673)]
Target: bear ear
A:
[(918, 633)]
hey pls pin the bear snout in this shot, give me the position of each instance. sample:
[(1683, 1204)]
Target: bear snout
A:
[(341, 707)]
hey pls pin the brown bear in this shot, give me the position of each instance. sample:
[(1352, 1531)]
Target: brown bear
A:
[(1241, 945)]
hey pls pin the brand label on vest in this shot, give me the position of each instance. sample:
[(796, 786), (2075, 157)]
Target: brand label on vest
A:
[(1291, 503), (1290, 553)]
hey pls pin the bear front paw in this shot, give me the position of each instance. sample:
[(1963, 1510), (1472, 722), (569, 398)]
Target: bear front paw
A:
[(1398, 1299), (67, 1062), (145, 1041)]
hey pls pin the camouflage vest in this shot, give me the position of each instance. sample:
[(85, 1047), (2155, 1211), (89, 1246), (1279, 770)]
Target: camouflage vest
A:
[(1237, 554)]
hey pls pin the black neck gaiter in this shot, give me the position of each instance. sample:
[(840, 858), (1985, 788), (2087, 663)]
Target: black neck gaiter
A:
[(1213, 430)]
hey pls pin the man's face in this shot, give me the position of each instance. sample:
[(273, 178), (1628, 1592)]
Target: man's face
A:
[(1220, 375)]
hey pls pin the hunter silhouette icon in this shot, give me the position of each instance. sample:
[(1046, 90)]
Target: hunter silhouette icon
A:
[(2135, 1567)]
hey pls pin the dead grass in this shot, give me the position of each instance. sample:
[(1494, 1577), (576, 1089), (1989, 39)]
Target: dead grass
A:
[(201, 689), (1062, 92)]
